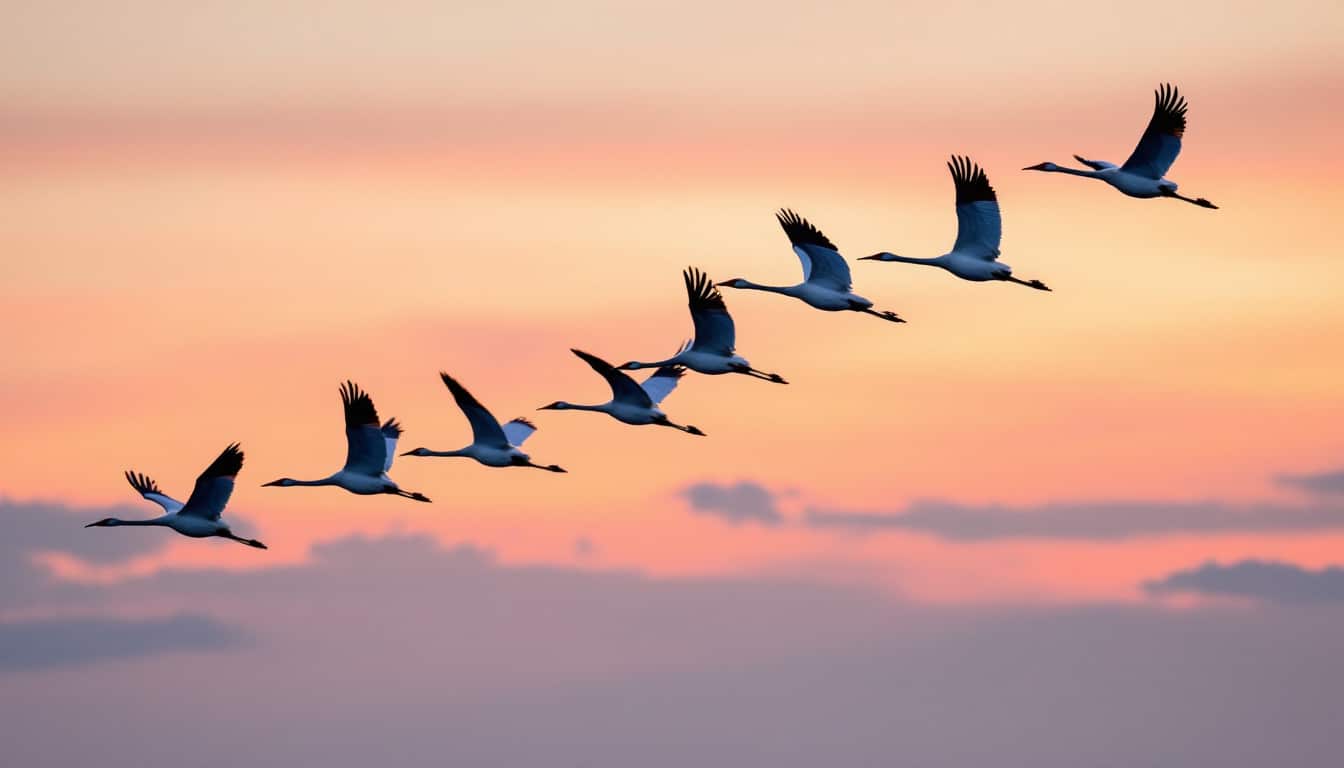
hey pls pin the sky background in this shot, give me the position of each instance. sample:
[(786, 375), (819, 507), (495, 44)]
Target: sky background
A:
[(1098, 526)]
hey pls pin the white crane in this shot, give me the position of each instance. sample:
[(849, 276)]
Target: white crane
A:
[(200, 516), (369, 450), (826, 281), (631, 402), (1144, 173), (975, 254), (713, 351), (492, 444)]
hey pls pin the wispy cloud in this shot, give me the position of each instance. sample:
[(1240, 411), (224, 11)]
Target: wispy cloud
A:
[(743, 502), (1077, 520), (1317, 483), (60, 642), (34, 527), (1269, 581)]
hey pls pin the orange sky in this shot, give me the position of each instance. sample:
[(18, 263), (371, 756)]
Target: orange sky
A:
[(198, 245)]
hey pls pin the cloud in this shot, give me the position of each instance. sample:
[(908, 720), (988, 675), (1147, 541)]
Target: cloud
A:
[(1318, 483), (745, 502), (399, 648), (60, 642), (1081, 520), (1269, 581), (584, 547), (33, 527)]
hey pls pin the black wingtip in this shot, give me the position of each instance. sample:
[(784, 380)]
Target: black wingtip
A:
[(970, 181), (392, 428), (525, 422), (227, 464), (1169, 109), (359, 410), (142, 483), (801, 231), (700, 290)]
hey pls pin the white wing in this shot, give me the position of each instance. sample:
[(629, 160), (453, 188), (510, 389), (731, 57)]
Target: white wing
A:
[(979, 230), (391, 433), (662, 382), (518, 430), (821, 260), (979, 225), (149, 489)]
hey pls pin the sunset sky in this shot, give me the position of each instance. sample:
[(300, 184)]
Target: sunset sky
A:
[(1081, 517)]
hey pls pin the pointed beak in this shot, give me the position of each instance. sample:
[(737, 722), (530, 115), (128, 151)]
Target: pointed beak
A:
[(273, 482), (408, 453), (874, 257), (91, 525)]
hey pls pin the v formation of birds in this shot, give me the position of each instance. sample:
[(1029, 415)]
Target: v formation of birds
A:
[(371, 444)]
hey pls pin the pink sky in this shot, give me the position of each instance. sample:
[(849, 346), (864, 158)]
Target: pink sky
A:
[(1025, 529), (205, 231)]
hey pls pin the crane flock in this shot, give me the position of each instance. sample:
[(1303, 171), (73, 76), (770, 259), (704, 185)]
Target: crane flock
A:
[(827, 285)]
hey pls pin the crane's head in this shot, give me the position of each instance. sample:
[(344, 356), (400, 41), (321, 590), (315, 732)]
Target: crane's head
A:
[(106, 522), (1046, 166), (736, 282), (284, 482), (883, 256), (630, 366), (558, 405), (417, 452)]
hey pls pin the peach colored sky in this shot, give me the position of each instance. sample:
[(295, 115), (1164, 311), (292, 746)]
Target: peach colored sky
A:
[(214, 216)]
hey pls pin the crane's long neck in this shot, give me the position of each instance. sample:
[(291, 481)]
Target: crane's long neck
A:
[(324, 481), (750, 286), (603, 408), (885, 256), (1073, 171), (458, 452), (674, 360), (116, 522)]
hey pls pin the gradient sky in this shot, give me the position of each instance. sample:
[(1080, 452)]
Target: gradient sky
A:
[(209, 217)]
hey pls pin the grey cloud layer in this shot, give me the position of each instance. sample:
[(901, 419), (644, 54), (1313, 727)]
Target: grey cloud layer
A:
[(398, 650), (58, 642), (1319, 483), (743, 502), (1083, 520), (749, 501), (1270, 581)]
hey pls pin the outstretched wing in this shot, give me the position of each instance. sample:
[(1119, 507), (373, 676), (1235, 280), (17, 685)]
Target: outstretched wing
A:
[(1096, 165), (391, 430), (518, 430), (366, 447), (1161, 142), (485, 428), (623, 388), (979, 226), (663, 381), (822, 262), (214, 486), (714, 331), (149, 489)]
